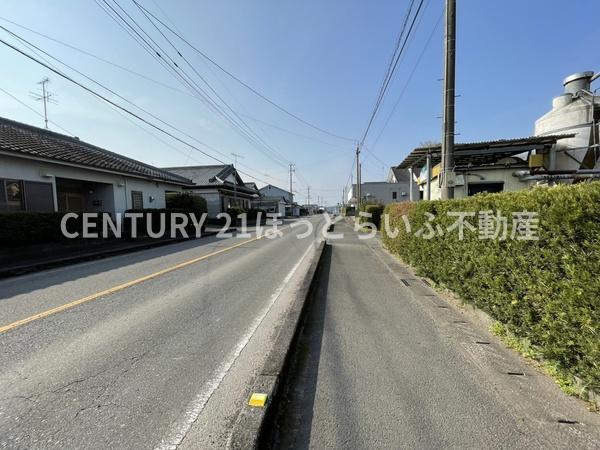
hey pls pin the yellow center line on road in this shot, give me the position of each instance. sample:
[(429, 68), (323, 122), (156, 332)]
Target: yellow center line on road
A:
[(120, 287)]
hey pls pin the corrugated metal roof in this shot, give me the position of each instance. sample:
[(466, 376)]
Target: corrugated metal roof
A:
[(26, 140), (480, 153)]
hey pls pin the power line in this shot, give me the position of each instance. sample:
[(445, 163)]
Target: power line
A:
[(247, 86), (285, 130), (120, 67), (140, 75), (36, 50), (256, 135), (135, 30), (121, 108), (391, 73), (56, 70), (35, 111), (388, 73), (405, 87), (99, 58)]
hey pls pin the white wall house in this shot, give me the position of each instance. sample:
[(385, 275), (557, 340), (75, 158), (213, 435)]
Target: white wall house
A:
[(396, 188), (220, 185), (274, 199), (273, 191), (44, 171)]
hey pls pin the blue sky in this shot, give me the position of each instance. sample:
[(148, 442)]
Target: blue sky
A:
[(323, 60)]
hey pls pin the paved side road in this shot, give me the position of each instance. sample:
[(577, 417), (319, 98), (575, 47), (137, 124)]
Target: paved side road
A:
[(383, 363)]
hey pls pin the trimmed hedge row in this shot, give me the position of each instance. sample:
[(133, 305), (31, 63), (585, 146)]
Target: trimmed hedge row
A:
[(18, 229), (186, 201), (546, 291), (376, 210), (22, 229), (152, 218)]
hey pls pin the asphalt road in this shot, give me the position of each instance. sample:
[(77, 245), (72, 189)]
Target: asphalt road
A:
[(136, 367), (384, 363)]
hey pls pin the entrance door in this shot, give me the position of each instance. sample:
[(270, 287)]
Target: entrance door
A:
[(71, 202)]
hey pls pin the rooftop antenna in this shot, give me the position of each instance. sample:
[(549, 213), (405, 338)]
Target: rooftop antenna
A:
[(235, 157), (46, 97)]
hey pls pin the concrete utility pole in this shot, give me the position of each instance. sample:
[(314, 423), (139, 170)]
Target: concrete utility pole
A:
[(292, 170), (45, 97), (447, 163), (235, 157), (308, 195), (357, 192)]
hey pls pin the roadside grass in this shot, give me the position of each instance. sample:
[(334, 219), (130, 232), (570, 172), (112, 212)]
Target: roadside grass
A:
[(544, 290), (565, 381)]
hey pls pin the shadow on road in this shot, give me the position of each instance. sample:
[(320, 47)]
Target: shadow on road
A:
[(13, 286), (293, 423)]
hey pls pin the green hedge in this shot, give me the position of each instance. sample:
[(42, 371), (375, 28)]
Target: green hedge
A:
[(546, 291), (153, 217), (376, 210), (235, 211), (19, 229), (252, 215), (186, 201), (348, 211)]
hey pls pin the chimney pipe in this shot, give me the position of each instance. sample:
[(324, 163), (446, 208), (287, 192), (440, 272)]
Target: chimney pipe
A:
[(578, 81)]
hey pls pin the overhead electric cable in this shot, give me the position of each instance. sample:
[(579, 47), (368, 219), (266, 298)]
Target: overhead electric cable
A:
[(237, 79)]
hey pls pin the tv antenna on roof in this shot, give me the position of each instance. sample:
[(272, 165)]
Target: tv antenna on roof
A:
[(46, 97)]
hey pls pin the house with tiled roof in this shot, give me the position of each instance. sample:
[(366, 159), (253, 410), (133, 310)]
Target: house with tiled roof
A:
[(220, 185), (45, 171), (274, 199)]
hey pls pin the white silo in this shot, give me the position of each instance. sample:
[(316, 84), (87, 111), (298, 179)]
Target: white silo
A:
[(576, 111)]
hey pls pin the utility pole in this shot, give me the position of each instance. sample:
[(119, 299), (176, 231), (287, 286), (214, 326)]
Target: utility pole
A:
[(308, 195), (235, 157), (357, 192), (45, 97), (447, 163), (292, 170)]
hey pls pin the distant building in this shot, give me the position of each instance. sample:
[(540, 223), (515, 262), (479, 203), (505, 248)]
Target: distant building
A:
[(396, 188), (220, 185), (273, 199), (273, 191), (44, 171)]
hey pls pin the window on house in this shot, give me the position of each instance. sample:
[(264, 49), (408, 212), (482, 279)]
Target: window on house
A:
[(38, 196), (11, 195), (394, 195), (137, 199)]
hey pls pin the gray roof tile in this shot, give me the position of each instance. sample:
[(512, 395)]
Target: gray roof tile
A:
[(26, 140)]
